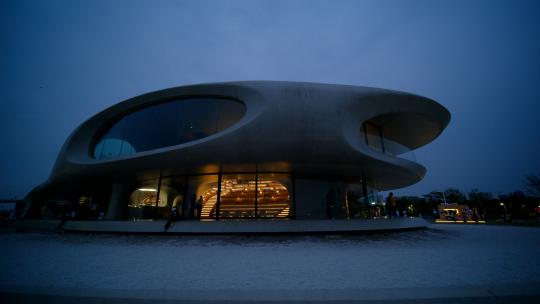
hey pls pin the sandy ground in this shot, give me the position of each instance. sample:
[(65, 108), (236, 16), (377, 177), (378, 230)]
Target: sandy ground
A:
[(443, 255)]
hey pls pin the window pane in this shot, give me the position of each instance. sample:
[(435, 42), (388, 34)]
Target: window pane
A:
[(142, 202), (202, 197), (364, 205), (372, 135), (168, 124), (273, 196), (237, 196), (171, 191)]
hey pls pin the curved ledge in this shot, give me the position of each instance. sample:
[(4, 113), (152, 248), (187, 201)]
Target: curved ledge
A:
[(249, 227), (307, 128)]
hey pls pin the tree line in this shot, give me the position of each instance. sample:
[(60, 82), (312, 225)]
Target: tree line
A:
[(517, 205)]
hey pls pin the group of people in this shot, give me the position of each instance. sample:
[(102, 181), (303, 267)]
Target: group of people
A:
[(393, 208)]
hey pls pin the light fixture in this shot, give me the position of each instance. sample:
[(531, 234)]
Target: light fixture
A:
[(147, 190)]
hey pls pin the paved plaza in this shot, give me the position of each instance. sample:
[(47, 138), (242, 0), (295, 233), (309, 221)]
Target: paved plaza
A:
[(444, 261)]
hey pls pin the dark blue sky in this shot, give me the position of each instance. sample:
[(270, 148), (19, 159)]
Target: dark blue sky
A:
[(63, 61)]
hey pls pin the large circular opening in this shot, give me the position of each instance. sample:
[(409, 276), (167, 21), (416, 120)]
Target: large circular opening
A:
[(167, 124)]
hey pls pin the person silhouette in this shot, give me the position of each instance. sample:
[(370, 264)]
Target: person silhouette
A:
[(391, 204), (200, 202)]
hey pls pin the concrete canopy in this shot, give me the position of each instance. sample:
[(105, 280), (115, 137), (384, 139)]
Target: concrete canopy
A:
[(311, 129)]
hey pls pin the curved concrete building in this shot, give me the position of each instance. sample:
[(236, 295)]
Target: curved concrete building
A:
[(242, 150)]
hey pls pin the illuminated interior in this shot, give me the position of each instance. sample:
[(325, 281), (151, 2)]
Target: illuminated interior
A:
[(144, 200), (146, 197), (460, 222), (246, 199)]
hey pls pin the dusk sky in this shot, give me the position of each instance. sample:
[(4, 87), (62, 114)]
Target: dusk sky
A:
[(64, 61)]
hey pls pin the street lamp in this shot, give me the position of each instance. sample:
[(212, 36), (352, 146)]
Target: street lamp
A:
[(505, 214)]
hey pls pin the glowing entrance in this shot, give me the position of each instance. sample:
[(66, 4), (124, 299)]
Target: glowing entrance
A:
[(247, 199)]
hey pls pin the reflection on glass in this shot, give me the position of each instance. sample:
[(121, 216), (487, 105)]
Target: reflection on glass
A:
[(113, 147), (171, 193), (336, 202), (167, 124), (364, 205), (373, 137), (145, 203), (396, 149)]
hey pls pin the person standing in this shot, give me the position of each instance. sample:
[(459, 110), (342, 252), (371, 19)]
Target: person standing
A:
[(172, 218), (200, 202), (391, 204)]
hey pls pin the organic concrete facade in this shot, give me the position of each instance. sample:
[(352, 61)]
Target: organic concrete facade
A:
[(311, 131)]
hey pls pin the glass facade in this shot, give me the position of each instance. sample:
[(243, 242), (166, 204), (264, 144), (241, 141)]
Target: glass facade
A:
[(373, 137), (364, 202), (220, 196), (145, 202), (247, 196), (205, 187), (273, 195), (171, 192), (237, 198), (336, 203), (167, 124), (213, 197)]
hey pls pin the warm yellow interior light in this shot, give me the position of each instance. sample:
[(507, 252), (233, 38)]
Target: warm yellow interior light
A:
[(459, 221)]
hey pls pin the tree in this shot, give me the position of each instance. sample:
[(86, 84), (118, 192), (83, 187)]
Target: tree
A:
[(479, 200), (414, 205), (533, 184), (477, 196), (431, 201), (518, 205), (434, 196), (453, 195)]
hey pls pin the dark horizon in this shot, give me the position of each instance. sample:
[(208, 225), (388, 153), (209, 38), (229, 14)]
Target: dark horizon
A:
[(64, 62)]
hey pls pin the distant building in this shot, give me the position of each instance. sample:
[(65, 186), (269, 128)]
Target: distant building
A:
[(242, 150)]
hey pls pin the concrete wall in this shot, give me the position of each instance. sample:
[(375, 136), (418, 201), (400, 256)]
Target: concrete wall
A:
[(118, 204)]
